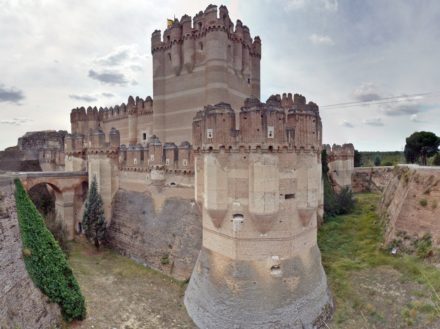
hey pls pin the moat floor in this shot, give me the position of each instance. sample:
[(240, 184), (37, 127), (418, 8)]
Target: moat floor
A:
[(121, 294), (371, 288)]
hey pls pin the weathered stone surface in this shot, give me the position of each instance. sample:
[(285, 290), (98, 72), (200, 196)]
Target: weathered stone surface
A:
[(22, 305), (168, 240), (226, 293), (371, 179), (411, 203)]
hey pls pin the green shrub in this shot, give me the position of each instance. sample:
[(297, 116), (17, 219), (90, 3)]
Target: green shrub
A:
[(424, 246), (165, 260), (423, 202), (436, 160), (335, 203), (45, 262), (58, 229)]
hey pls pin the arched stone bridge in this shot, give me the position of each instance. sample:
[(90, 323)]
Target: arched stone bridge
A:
[(70, 189)]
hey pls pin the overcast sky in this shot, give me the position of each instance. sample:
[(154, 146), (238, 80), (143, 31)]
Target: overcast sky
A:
[(56, 55)]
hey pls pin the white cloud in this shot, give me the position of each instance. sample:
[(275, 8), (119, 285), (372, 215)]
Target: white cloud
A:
[(15, 121), (415, 118), (295, 4), (347, 124), (330, 5), (367, 92), (325, 40), (375, 122), (403, 106)]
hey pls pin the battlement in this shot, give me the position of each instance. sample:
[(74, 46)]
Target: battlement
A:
[(77, 144), (204, 22), (339, 152), (134, 106), (154, 155), (282, 123)]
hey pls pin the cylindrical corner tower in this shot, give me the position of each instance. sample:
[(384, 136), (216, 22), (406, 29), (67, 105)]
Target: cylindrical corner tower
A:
[(260, 265)]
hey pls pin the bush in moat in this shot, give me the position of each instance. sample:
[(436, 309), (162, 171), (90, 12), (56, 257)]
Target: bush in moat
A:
[(335, 203), (45, 261)]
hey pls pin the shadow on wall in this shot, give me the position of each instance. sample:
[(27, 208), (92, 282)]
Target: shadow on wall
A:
[(168, 241)]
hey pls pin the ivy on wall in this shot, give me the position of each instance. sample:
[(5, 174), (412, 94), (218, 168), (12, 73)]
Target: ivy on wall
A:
[(45, 261)]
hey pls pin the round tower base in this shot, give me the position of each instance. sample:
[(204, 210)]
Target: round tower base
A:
[(236, 294)]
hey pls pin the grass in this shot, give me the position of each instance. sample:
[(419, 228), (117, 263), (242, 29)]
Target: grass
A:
[(121, 293), (352, 246)]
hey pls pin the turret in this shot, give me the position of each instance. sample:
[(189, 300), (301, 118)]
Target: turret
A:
[(132, 121), (217, 126), (68, 143), (185, 156), (260, 199), (155, 151), (176, 48), (156, 40), (114, 138), (188, 44), (170, 153), (97, 138)]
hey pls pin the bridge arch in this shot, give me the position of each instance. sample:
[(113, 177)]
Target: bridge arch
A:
[(70, 190)]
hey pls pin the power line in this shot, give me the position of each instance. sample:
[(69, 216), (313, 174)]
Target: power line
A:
[(383, 100)]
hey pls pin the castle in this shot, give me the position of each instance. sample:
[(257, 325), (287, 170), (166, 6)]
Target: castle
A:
[(252, 168)]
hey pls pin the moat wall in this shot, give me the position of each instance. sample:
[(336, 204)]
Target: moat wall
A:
[(157, 228), (371, 179), (411, 203), (22, 305)]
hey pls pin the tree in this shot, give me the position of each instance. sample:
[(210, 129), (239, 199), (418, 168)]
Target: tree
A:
[(436, 160), (93, 219), (357, 158), (377, 160), (421, 145)]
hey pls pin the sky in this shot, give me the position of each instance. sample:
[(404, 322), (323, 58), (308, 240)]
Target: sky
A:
[(372, 66)]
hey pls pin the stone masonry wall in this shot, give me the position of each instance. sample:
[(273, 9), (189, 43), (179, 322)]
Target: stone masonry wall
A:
[(22, 305), (411, 203), (167, 237), (371, 179)]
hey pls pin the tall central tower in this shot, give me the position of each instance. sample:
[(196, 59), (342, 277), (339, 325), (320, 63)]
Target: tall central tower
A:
[(260, 191), (199, 61)]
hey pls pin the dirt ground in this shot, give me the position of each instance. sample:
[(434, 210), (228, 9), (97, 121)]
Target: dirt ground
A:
[(121, 294), (384, 299)]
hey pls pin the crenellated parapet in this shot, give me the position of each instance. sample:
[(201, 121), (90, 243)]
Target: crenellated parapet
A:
[(157, 156), (202, 24), (83, 120), (339, 152), (271, 126)]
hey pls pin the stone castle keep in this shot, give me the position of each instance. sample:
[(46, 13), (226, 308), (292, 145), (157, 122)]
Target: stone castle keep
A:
[(250, 171)]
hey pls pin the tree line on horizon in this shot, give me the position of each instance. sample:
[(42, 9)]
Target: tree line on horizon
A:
[(421, 147)]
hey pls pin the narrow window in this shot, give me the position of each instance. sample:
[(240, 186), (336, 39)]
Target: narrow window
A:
[(167, 162), (289, 196), (201, 45), (185, 162), (144, 136), (169, 57), (209, 133), (270, 132)]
